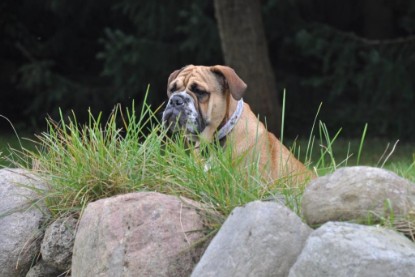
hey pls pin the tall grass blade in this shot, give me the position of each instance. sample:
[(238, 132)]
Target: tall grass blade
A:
[(361, 144)]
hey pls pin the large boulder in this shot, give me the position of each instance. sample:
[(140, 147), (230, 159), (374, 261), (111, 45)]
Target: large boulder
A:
[(346, 249), (354, 193), (21, 217), (259, 239), (138, 234), (57, 244)]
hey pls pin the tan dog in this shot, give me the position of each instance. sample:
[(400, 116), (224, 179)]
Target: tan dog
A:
[(206, 101)]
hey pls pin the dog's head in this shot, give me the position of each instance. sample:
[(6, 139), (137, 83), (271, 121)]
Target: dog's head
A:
[(199, 98)]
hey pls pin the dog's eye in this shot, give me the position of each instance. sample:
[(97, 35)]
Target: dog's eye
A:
[(173, 88), (198, 91)]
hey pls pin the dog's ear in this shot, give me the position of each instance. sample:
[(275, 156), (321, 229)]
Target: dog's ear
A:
[(236, 86), (174, 74)]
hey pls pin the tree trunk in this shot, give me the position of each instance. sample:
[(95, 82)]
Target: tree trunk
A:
[(245, 49)]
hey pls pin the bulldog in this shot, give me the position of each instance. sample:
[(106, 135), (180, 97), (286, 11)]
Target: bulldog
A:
[(206, 103)]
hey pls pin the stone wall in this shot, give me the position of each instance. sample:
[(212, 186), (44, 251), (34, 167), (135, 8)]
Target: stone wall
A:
[(151, 234)]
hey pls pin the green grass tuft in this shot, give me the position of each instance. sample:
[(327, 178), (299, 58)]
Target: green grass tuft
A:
[(131, 152)]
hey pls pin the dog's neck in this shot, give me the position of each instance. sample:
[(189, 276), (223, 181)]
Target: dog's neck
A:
[(236, 107), (234, 110)]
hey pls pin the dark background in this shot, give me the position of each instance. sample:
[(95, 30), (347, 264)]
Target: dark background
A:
[(355, 56)]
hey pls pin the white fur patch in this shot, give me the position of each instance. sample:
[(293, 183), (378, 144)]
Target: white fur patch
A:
[(190, 110)]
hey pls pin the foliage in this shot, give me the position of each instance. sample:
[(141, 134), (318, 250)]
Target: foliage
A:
[(76, 54), (47, 54), (369, 80), (321, 53), (158, 45)]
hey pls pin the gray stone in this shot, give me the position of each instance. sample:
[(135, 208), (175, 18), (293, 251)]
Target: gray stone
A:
[(138, 234), (42, 269), (259, 239), (346, 249), (20, 232), (57, 244), (354, 193)]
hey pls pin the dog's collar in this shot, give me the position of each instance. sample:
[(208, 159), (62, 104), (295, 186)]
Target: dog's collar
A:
[(227, 128)]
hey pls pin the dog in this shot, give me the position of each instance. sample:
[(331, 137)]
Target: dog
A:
[(206, 103)]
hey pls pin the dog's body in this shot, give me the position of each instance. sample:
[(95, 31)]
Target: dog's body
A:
[(207, 102)]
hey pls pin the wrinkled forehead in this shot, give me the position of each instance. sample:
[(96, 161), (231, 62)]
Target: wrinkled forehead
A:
[(201, 75)]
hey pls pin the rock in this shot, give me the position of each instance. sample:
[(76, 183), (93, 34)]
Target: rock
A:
[(354, 193), (138, 234), (346, 249), (259, 239), (20, 231), (42, 269), (57, 244)]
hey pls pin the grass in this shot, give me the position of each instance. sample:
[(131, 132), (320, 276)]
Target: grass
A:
[(131, 152), (375, 152), (10, 142)]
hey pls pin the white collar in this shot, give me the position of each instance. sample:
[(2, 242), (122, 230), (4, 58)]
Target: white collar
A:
[(227, 128)]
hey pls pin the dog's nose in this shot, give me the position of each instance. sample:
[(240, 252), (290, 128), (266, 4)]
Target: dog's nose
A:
[(176, 100)]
